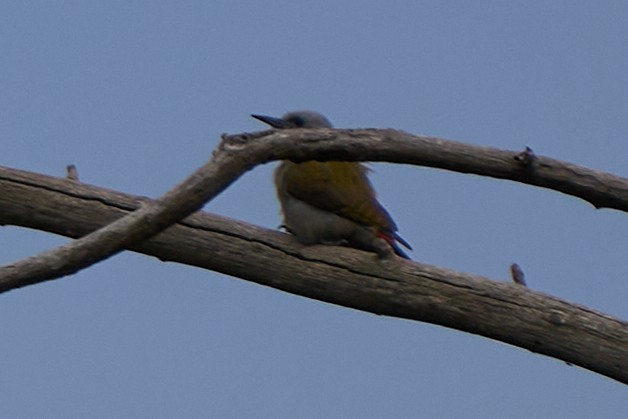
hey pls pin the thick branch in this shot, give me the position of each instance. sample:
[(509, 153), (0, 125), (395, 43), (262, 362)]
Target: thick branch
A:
[(501, 311)]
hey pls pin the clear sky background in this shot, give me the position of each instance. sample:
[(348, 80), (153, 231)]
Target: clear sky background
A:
[(136, 94)]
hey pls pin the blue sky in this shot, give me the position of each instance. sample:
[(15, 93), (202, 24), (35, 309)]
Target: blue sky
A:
[(136, 94)]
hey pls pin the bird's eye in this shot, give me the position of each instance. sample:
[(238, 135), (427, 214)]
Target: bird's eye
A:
[(297, 121)]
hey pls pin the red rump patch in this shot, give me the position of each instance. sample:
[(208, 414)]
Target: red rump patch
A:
[(392, 239)]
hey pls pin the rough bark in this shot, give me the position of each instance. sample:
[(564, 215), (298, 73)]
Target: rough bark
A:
[(498, 310), (108, 221)]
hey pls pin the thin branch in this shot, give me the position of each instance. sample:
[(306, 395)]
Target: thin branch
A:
[(497, 310), (186, 198), (601, 189), (239, 153)]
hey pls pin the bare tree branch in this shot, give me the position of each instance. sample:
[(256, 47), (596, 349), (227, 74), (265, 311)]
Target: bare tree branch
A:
[(240, 153), (347, 277), (186, 198), (497, 310), (602, 190)]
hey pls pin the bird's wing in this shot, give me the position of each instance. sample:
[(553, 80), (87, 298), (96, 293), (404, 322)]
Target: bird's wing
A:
[(339, 187)]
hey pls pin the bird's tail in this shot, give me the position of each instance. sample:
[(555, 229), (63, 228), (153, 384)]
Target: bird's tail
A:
[(394, 239)]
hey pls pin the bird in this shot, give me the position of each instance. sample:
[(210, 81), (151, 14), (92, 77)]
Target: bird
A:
[(331, 202)]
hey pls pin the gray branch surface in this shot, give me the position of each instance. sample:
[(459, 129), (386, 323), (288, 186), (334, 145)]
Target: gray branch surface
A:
[(398, 288), (600, 189)]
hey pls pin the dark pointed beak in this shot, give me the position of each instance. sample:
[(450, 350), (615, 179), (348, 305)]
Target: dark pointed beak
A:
[(272, 121)]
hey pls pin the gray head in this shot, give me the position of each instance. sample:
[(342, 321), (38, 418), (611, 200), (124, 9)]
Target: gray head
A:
[(297, 119)]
